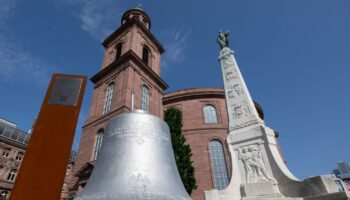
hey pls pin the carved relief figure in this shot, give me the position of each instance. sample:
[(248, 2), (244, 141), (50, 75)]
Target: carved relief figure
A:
[(230, 91), (230, 94), (254, 165), (230, 75), (237, 111), (246, 109), (237, 88)]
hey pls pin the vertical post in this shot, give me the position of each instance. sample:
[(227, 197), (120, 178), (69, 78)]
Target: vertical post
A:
[(132, 100), (43, 169)]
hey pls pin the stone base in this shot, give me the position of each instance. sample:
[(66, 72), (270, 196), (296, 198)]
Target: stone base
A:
[(333, 196), (257, 145), (271, 198), (258, 189)]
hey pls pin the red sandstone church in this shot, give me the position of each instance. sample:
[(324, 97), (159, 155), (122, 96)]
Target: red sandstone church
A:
[(131, 65)]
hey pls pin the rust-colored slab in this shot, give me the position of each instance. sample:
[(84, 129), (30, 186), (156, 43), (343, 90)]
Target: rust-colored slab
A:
[(43, 168)]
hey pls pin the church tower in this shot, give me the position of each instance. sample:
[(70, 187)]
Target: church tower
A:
[(129, 76)]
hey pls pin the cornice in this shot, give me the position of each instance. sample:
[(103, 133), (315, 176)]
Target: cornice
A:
[(130, 56), (126, 25), (201, 93), (194, 93)]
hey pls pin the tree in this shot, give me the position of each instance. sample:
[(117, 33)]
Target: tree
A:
[(182, 151)]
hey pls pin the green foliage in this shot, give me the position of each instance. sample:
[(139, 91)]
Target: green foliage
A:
[(182, 151)]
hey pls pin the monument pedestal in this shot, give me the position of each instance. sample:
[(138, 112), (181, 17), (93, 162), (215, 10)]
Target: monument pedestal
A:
[(258, 170)]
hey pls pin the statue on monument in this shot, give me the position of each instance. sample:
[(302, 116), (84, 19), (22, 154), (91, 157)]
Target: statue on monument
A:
[(222, 39)]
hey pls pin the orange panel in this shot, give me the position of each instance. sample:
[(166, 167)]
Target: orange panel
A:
[(43, 168)]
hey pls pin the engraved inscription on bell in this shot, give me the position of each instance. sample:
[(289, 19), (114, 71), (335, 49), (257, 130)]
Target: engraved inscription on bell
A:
[(65, 91)]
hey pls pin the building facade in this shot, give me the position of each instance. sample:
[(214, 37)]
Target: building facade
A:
[(13, 144), (343, 173), (130, 77)]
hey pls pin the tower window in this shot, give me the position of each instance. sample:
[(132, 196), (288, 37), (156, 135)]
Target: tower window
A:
[(218, 164), (145, 55), (12, 175), (118, 50), (98, 143), (210, 116), (108, 98), (145, 98)]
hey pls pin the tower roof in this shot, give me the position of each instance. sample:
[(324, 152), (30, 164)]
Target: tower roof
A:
[(139, 14)]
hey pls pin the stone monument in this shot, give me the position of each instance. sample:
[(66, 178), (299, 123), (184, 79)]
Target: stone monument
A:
[(136, 162), (258, 170)]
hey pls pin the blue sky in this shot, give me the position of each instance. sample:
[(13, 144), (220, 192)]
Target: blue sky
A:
[(294, 55)]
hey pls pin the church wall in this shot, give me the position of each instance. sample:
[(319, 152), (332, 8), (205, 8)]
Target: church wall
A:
[(197, 133)]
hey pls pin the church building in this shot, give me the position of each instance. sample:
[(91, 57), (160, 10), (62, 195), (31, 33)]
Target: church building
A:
[(130, 76)]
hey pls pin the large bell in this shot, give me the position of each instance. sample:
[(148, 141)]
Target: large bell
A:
[(136, 162)]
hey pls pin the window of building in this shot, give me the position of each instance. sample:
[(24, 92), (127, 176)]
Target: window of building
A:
[(145, 55), (2, 129), (339, 185), (145, 98), (218, 164), (98, 143), (71, 195), (65, 184), (6, 152), (210, 116), (118, 50), (19, 156), (12, 175), (1, 169), (4, 194), (108, 98)]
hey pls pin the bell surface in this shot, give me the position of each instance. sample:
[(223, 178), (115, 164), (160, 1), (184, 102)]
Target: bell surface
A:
[(136, 162)]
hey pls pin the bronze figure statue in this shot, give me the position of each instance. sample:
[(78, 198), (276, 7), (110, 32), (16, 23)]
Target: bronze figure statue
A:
[(222, 39)]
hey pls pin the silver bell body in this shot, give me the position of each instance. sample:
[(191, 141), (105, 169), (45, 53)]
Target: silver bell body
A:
[(136, 162)]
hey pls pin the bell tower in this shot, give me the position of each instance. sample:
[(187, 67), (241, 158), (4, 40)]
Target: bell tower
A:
[(129, 75)]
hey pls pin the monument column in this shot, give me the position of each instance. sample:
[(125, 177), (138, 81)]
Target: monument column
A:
[(258, 170)]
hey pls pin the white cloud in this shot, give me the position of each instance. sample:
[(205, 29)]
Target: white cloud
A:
[(175, 45), (6, 11), (98, 18), (17, 64)]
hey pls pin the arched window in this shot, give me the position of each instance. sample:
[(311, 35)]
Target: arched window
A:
[(145, 55), (98, 143), (118, 50), (218, 164), (108, 98), (12, 175), (210, 114), (145, 98)]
